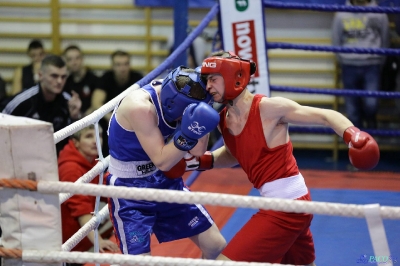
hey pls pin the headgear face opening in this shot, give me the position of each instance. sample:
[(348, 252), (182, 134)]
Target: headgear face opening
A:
[(235, 71), (174, 100)]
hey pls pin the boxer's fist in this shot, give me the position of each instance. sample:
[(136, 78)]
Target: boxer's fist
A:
[(204, 162), (363, 149), (177, 170), (197, 121), (190, 163)]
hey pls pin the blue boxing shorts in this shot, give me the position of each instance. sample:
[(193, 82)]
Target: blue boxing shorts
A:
[(135, 220)]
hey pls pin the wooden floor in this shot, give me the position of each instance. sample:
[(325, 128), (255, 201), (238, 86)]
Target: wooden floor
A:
[(234, 181)]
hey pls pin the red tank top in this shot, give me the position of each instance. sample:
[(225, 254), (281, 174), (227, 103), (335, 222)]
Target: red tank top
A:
[(250, 148)]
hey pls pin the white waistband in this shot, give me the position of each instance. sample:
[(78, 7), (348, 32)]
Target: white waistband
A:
[(132, 169), (292, 187)]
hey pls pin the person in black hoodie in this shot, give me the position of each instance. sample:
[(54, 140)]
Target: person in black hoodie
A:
[(46, 101), (28, 76)]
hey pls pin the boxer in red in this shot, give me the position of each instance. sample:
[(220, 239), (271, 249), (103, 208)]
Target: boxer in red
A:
[(255, 132)]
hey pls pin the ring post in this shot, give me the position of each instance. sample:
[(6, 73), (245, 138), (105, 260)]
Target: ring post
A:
[(29, 220)]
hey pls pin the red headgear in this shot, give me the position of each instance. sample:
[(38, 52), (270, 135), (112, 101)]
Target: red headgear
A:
[(235, 71)]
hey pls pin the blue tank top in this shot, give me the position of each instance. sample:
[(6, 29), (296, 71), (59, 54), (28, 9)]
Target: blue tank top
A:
[(123, 144)]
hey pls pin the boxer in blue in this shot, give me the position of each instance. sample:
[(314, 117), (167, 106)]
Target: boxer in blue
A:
[(150, 131)]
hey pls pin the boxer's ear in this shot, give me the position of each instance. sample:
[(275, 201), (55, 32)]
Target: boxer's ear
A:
[(253, 68)]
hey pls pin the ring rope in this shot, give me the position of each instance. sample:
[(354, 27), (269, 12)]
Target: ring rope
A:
[(337, 92), (332, 8), (328, 130), (95, 217), (92, 224), (10, 253), (219, 199), (48, 256), (334, 49), (93, 117), (18, 184), (87, 177)]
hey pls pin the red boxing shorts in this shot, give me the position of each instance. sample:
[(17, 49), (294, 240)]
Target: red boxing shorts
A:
[(274, 237)]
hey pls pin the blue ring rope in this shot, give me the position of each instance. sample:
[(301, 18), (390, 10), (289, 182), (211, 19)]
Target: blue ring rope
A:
[(334, 49), (331, 8), (338, 92), (326, 130)]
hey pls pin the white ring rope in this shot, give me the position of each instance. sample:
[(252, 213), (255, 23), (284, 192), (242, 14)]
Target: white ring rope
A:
[(92, 224), (89, 176), (93, 117), (219, 199), (123, 259)]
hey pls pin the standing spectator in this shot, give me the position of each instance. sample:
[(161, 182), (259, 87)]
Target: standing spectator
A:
[(46, 101), (361, 71), (80, 78), (28, 76), (112, 83), (76, 159), (397, 78)]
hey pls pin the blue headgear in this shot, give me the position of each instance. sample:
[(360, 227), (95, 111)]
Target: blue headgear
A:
[(175, 100)]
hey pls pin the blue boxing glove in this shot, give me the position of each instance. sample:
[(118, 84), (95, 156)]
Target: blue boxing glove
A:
[(197, 121)]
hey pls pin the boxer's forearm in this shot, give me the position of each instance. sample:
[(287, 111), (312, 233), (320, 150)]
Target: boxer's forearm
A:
[(223, 158)]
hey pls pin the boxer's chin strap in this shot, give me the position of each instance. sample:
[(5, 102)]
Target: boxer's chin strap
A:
[(230, 102)]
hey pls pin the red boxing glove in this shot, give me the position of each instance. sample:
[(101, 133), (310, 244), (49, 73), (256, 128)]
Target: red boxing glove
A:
[(177, 170), (363, 149), (204, 162)]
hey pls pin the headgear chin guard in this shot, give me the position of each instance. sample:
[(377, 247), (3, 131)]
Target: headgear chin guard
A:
[(174, 100), (235, 71)]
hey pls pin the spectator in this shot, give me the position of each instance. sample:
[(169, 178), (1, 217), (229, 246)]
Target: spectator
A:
[(3, 91), (397, 78), (112, 83), (115, 81), (28, 76), (46, 101), (361, 71), (80, 78), (76, 159)]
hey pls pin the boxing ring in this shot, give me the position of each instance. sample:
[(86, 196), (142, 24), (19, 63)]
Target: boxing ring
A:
[(373, 213)]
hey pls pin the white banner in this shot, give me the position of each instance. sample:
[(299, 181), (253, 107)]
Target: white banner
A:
[(243, 32)]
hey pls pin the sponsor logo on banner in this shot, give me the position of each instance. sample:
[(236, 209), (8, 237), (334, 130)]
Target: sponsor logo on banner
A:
[(245, 41), (242, 5)]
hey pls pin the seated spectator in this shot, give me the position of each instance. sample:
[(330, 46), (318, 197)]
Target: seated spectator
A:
[(76, 159), (46, 101), (112, 83), (28, 76), (115, 81), (3, 92), (80, 78)]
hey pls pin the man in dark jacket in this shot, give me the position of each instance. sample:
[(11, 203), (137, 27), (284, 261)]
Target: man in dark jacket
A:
[(46, 100)]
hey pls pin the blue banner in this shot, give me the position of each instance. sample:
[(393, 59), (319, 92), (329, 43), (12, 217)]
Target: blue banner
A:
[(210, 3)]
